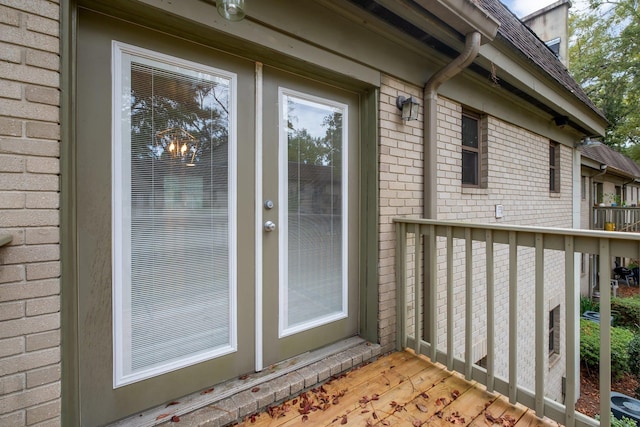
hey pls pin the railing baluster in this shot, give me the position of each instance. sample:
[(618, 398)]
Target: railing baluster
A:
[(490, 310), (543, 241), (513, 317), (417, 289), (401, 285), (468, 304), (571, 318), (433, 292), (605, 332), (450, 313), (540, 316)]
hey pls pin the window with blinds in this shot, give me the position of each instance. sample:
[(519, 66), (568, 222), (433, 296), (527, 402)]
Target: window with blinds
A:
[(313, 245), (173, 216)]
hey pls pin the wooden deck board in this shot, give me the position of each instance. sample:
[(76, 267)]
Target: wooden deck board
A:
[(400, 389)]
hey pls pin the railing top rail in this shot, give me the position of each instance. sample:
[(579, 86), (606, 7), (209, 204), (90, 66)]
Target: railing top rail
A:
[(613, 235)]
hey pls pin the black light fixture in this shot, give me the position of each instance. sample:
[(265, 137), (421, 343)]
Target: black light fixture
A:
[(409, 107), (233, 10), (561, 121)]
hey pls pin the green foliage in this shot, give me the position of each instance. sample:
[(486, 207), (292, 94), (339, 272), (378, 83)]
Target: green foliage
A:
[(634, 356), (626, 312), (624, 422), (587, 304), (604, 58), (590, 347)]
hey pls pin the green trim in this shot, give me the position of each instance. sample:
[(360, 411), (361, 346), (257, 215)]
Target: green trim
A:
[(69, 311), (369, 216), (5, 239)]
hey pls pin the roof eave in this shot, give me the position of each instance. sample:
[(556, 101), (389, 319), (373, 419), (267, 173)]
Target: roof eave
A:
[(464, 16)]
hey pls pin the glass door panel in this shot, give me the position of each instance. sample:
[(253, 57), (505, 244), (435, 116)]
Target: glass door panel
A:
[(159, 200), (310, 270), (313, 277), (174, 225)]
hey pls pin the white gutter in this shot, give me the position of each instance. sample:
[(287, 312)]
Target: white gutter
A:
[(471, 48)]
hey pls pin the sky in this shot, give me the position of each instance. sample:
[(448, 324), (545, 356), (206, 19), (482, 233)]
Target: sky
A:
[(524, 7)]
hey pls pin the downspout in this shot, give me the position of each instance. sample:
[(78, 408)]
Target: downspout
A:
[(430, 131)]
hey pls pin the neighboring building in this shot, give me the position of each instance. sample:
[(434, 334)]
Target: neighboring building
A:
[(551, 24), (610, 191), (190, 199)]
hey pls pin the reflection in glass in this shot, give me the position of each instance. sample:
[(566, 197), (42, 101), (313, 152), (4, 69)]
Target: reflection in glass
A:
[(175, 216), (315, 210)]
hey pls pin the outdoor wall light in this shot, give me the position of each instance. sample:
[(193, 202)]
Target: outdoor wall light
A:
[(561, 121), (233, 10), (409, 107)]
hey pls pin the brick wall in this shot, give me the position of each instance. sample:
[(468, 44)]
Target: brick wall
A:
[(401, 160), (29, 203), (517, 177)]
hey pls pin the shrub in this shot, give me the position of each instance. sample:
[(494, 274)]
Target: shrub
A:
[(590, 347), (624, 422), (587, 304), (634, 356), (627, 311)]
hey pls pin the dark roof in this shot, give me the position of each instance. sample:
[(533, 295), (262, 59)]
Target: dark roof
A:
[(606, 155), (529, 45)]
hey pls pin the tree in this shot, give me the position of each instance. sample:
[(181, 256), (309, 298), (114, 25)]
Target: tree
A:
[(604, 55)]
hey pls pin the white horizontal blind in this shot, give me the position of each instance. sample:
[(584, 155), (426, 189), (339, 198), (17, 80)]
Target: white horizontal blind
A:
[(174, 286), (314, 144)]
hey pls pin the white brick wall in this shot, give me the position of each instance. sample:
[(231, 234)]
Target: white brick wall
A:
[(29, 212), (517, 176)]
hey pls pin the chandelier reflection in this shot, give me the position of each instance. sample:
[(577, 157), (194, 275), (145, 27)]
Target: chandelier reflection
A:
[(179, 144)]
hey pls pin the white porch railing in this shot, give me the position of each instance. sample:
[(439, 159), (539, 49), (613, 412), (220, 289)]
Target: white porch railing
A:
[(436, 245), (623, 218)]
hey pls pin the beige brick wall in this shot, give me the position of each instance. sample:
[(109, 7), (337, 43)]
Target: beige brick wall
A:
[(401, 159), (29, 212), (517, 177)]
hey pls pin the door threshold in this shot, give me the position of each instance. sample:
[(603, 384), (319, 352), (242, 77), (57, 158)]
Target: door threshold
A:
[(232, 400)]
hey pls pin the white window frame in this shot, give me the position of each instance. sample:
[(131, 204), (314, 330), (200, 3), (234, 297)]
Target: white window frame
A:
[(122, 55), (283, 328)]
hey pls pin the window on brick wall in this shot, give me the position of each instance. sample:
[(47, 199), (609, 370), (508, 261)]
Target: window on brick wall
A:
[(554, 167), (554, 332), (473, 147)]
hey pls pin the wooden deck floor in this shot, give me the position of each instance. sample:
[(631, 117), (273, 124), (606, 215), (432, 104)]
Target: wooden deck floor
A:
[(400, 389)]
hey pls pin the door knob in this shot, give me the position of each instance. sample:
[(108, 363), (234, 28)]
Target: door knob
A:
[(269, 226)]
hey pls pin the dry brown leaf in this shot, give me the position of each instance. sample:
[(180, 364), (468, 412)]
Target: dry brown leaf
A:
[(421, 407)]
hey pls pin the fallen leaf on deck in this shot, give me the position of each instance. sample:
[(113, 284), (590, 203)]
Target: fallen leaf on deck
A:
[(455, 418), (421, 407)]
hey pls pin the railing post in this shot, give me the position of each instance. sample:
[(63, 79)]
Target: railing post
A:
[(417, 289), (401, 285), (468, 304), (513, 317), (540, 316), (490, 310), (605, 333), (571, 319), (450, 314), (433, 292)]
